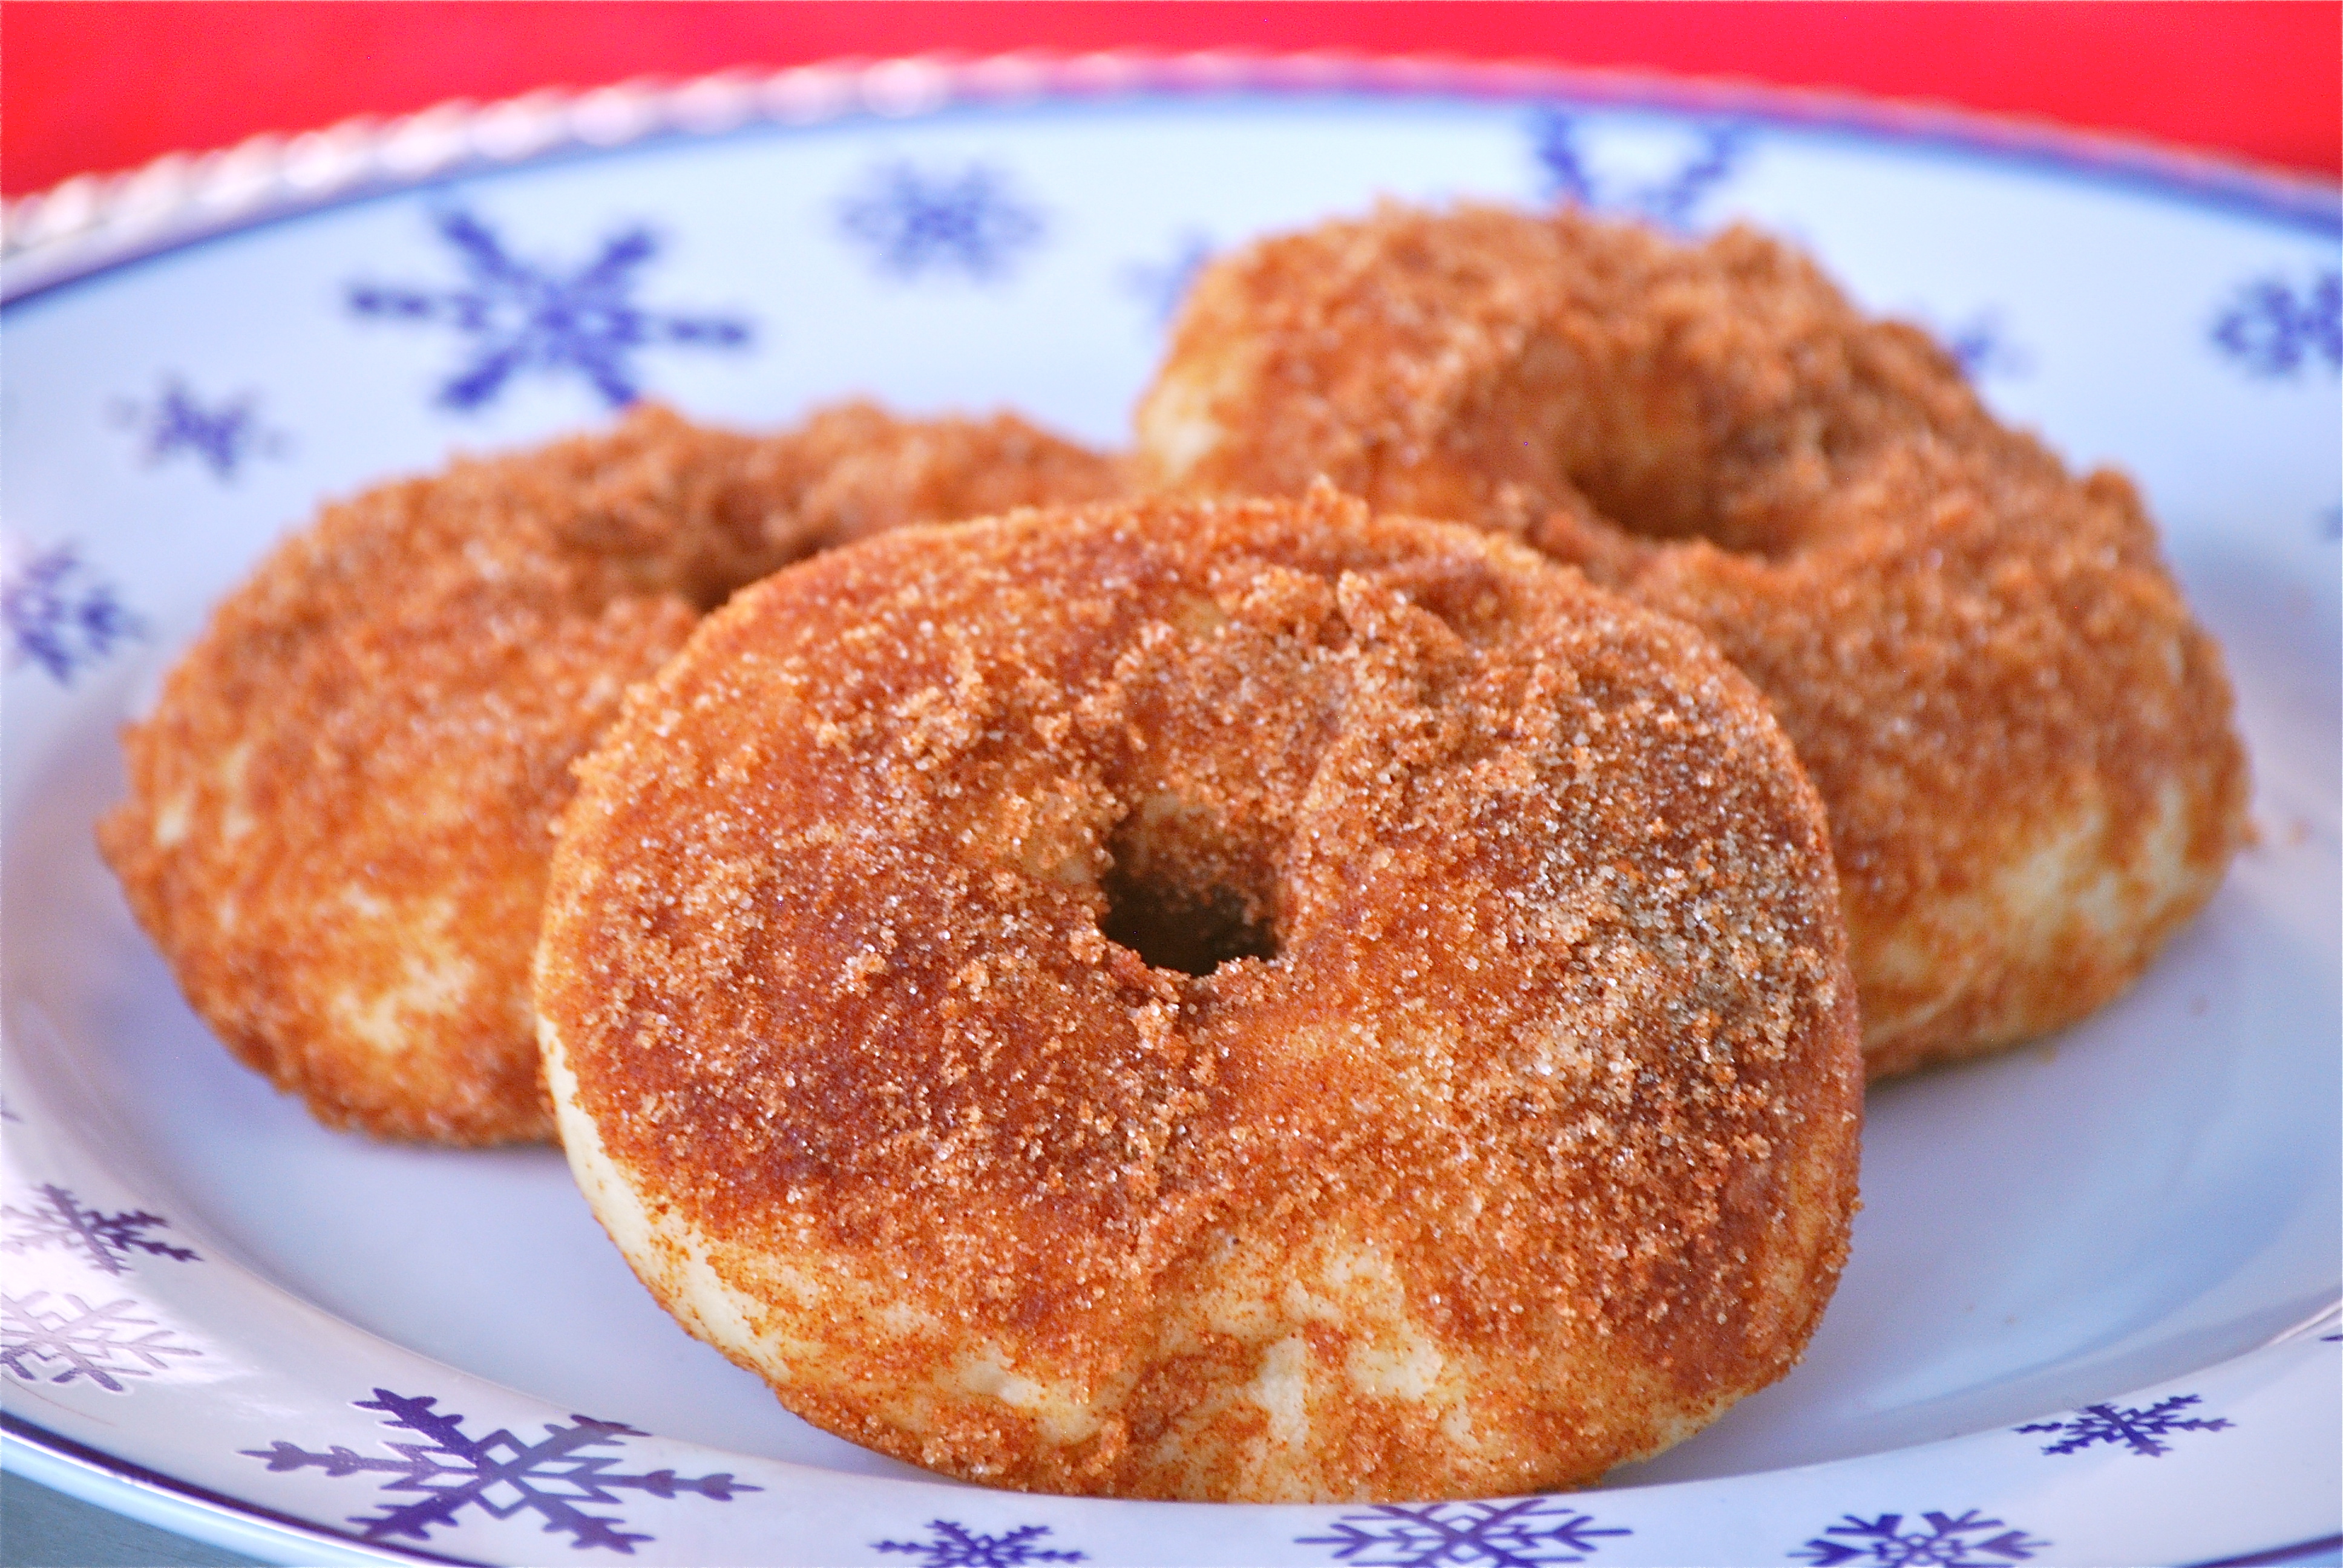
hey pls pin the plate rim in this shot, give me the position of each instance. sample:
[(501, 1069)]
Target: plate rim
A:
[(93, 224), (150, 1497)]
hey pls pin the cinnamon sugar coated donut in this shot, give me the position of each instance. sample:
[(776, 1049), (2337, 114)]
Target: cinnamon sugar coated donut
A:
[(1238, 1001), (2023, 738), (336, 829)]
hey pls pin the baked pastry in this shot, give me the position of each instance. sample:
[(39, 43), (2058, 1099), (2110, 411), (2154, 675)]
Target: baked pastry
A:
[(1234, 1002), (336, 824), (2022, 737)]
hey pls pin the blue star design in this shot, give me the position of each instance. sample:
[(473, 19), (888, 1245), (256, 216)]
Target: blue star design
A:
[(500, 1474), (39, 1333), (2274, 331), (952, 1544), (1981, 349), (1517, 1532), (1668, 201), (914, 222), (1162, 285), (2136, 1429), (60, 617), (219, 436), (1883, 1543), (107, 1240), (526, 317)]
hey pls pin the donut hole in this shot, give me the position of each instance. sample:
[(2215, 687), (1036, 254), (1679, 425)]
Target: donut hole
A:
[(1183, 906), (1672, 498), (1190, 931)]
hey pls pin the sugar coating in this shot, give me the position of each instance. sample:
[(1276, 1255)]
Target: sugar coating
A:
[(338, 822), (2023, 738), (1529, 1145)]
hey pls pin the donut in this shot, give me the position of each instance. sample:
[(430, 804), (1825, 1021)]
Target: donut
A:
[(337, 822), (2022, 737), (1240, 1001)]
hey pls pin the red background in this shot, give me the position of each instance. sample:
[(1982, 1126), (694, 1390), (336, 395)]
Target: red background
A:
[(105, 85)]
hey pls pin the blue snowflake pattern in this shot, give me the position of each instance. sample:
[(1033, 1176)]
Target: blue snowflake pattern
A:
[(1982, 349), (499, 1473), (2274, 332), (105, 1240), (1509, 1534), (61, 616), (43, 1342), (1668, 200), (1161, 286), (220, 436), (913, 223), (1885, 1543), (523, 317), (954, 1545), (2137, 1429)]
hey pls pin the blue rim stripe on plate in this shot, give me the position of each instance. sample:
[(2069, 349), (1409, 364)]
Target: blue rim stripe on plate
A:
[(2299, 1551), (194, 1504), (2283, 202)]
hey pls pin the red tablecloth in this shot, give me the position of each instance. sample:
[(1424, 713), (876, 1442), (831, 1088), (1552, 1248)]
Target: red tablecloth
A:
[(105, 85)]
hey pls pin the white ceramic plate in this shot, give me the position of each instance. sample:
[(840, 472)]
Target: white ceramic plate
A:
[(2084, 1317)]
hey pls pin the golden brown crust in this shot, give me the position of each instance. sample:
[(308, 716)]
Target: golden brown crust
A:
[(338, 822), (1532, 1147), (2023, 738)]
